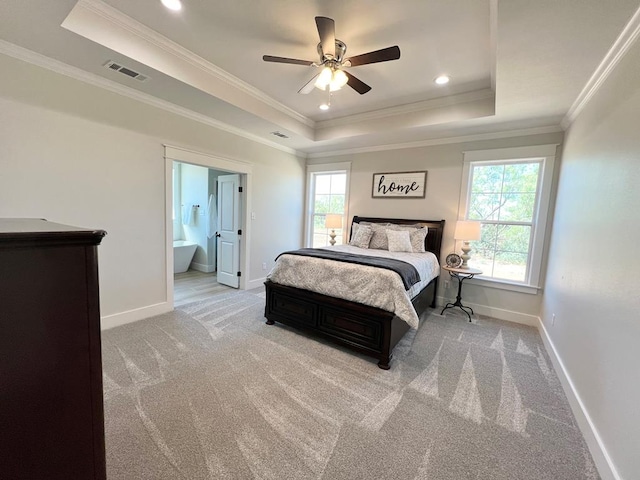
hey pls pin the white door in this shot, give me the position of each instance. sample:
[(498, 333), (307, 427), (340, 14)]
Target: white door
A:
[(228, 234)]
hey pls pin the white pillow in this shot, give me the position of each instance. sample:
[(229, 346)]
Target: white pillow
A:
[(399, 241), (362, 237)]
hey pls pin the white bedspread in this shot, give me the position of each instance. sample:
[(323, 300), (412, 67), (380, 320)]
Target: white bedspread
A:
[(372, 286)]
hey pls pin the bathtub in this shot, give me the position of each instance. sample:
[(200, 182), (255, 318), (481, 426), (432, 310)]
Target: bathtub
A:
[(183, 252)]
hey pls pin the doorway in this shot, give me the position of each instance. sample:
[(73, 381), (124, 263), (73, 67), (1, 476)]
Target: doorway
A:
[(207, 202)]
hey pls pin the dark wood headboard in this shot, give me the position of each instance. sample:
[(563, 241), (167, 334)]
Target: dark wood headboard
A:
[(433, 242)]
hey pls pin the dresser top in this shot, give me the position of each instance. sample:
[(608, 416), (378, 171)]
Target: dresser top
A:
[(19, 231)]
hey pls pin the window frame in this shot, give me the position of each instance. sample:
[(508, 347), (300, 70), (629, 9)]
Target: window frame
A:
[(545, 154), (324, 169)]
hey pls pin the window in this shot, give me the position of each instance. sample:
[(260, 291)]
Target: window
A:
[(507, 191), (327, 187)]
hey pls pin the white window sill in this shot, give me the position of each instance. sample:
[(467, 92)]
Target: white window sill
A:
[(504, 285)]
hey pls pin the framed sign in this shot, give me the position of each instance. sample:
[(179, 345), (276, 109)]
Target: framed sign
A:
[(399, 185)]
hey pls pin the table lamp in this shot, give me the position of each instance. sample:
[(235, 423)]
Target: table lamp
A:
[(466, 231), (333, 221)]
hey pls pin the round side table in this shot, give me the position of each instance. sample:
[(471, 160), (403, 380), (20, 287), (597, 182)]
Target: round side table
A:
[(461, 274)]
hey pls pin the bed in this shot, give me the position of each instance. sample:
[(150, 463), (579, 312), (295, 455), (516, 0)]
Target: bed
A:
[(359, 326)]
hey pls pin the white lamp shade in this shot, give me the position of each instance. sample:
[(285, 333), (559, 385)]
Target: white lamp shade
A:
[(340, 78), (335, 79), (324, 78), (333, 221), (467, 230)]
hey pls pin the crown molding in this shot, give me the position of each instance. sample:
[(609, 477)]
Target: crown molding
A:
[(619, 49), (425, 105), (119, 19), (441, 141), (33, 58)]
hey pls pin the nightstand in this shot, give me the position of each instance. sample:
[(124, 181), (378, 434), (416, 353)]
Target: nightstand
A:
[(461, 274)]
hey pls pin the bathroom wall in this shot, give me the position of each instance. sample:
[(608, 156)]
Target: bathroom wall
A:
[(194, 188), (197, 184)]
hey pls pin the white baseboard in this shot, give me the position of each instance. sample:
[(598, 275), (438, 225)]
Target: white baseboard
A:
[(258, 282), (499, 313), (110, 321), (601, 458), (201, 267)]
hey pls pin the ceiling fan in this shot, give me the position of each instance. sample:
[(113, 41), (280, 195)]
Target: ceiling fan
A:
[(332, 59)]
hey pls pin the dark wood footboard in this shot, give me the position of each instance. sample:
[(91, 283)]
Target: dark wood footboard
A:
[(362, 328)]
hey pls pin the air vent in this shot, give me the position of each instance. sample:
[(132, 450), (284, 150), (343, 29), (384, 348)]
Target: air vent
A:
[(279, 134), (126, 71)]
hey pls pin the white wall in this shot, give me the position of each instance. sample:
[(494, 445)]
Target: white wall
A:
[(77, 154), (593, 285), (195, 191), (444, 166)]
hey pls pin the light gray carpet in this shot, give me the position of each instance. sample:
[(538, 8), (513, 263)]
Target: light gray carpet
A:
[(211, 392)]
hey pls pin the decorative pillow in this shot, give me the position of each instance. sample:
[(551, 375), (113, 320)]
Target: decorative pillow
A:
[(379, 238), (362, 237), (399, 241), (417, 238)]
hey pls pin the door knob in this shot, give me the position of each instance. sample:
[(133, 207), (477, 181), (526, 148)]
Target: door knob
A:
[(217, 234)]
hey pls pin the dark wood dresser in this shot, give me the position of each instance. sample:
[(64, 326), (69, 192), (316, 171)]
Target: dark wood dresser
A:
[(51, 409)]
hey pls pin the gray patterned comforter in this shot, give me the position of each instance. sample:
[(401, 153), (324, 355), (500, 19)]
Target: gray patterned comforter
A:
[(358, 283)]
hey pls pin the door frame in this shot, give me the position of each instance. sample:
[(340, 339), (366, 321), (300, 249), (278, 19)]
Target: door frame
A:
[(183, 155)]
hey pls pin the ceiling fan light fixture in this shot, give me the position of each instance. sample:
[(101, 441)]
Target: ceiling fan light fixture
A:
[(442, 79), (340, 79), (324, 78), (332, 59), (331, 77), (175, 5)]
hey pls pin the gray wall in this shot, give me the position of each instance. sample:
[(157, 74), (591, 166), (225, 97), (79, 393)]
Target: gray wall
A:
[(77, 154), (593, 281), (444, 165)]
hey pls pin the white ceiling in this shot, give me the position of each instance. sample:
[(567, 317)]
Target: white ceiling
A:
[(515, 64)]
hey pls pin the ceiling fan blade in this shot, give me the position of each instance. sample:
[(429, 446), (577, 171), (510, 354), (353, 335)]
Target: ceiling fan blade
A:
[(327, 32), (384, 55), (357, 84), (309, 86), (270, 58)]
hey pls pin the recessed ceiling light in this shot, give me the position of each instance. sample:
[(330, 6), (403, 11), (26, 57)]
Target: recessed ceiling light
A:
[(442, 79), (172, 4), (324, 106)]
